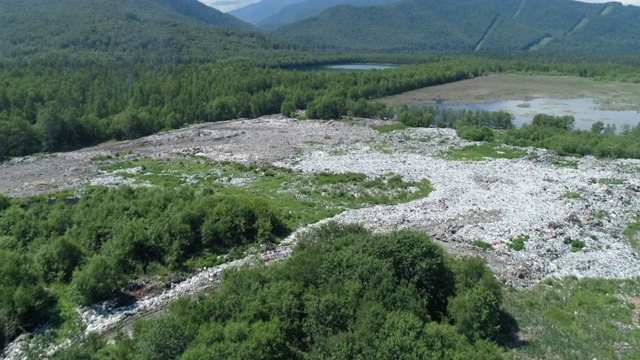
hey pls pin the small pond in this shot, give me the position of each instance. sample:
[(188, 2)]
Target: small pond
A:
[(584, 110), (349, 67)]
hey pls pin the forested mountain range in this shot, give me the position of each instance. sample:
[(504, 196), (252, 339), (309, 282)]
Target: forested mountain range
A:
[(472, 25), (144, 30)]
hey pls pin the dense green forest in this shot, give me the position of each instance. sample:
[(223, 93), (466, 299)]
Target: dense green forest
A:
[(344, 294), (46, 109), (492, 26)]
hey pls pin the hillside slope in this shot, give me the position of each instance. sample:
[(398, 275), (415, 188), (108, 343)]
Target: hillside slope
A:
[(472, 25), (132, 29), (257, 12)]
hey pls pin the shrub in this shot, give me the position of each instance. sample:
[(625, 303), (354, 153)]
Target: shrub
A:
[(475, 309), (96, 281), (240, 221), (475, 133), (577, 245), (482, 245), (556, 122), (517, 243), (5, 202)]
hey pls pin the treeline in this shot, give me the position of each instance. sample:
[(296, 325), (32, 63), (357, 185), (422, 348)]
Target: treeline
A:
[(344, 294), (556, 133), (46, 108), (426, 116), (42, 109), (56, 253)]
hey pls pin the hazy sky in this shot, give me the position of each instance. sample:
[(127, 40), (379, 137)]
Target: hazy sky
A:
[(228, 5)]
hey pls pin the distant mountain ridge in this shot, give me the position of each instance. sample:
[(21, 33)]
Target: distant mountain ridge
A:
[(301, 10), (203, 13), (472, 26), (257, 12)]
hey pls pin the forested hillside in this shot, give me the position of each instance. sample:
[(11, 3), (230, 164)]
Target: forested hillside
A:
[(154, 31), (472, 25)]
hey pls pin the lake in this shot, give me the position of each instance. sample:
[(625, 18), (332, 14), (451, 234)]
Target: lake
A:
[(585, 111), (349, 67)]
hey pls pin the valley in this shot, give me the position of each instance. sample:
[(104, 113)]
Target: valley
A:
[(306, 179)]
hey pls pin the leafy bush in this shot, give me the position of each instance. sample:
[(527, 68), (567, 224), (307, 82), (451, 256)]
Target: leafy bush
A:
[(96, 281), (409, 119), (238, 221), (565, 122), (475, 133), (517, 243), (577, 245)]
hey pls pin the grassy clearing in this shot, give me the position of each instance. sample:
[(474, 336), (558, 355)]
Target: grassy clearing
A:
[(570, 195), (307, 198), (389, 127), (576, 319), (610, 95), (491, 150), (612, 181), (564, 163), (517, 243), (631, 233), (383, 147)]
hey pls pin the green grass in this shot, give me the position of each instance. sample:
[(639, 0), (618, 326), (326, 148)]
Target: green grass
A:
[(349, 121), (482, 245), (631, 233), (577, 245), (517, 243), (383, 147), (602, 214), (612, 181), (576, 319), (564, 163), (389, 127), (307, 198), (570, 195), (483, 151)]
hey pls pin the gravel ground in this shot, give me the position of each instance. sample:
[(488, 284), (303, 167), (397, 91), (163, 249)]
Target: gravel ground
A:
[(493, 201)]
